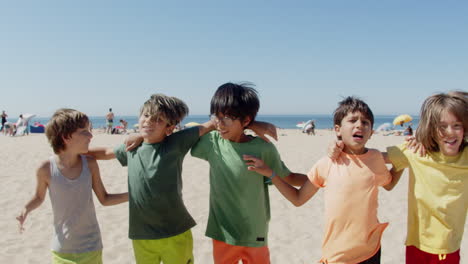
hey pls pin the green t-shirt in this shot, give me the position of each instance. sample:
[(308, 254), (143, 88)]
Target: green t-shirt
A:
[(156, 206), (239, 200)]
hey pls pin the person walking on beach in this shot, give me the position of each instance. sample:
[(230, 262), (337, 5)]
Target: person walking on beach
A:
[(109, 121), (239, 211), (351, 236), (4, 119), (70, 178)]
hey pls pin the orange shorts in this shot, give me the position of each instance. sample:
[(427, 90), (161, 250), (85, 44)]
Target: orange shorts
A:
[(229, 254)]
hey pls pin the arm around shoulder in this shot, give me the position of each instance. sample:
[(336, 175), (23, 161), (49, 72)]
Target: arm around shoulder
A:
[(101, 153), (104, 198)]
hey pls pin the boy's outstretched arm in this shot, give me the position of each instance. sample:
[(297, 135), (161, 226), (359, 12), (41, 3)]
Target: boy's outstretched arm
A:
[(42, 177), (99, 189), (296, 179), (101, 153), (396, 175), (262, 129), (206, 127), (295, 196)]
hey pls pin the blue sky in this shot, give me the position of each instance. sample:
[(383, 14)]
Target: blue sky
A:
[(303, 56)]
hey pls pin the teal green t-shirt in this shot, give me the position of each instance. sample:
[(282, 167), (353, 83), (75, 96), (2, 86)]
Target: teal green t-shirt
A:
[(156, 207), (239, 201)]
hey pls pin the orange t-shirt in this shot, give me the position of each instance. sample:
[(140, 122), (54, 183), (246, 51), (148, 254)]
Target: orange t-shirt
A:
[(352, 230)]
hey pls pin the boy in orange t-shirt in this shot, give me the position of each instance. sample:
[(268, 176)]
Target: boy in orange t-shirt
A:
[(352, 230)]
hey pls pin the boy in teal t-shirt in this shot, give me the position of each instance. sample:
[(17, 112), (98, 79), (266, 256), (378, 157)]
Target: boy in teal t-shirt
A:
[(239, 202)]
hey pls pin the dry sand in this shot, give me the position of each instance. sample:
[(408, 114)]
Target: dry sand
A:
[(295, 233)]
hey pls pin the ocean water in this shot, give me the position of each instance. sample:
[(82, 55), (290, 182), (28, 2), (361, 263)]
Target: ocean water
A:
[(280, 121)]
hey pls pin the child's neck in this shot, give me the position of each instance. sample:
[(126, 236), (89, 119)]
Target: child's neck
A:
[(359, 151), (68, 159)]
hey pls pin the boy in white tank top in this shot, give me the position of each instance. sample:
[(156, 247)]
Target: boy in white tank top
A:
[(68, 175)]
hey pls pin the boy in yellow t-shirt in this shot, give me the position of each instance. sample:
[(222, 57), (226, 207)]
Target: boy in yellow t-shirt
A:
[(351, 236)]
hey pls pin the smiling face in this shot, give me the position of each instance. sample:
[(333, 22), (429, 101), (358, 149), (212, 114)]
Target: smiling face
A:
[(154, 129), (450, 134), (355, 130), (230, 128)]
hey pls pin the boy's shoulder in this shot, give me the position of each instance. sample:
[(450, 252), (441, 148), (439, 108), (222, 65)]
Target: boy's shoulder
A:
[(43, 170)]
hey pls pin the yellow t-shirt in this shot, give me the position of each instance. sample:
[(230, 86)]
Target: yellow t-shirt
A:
[(437, 198), (352, 229)]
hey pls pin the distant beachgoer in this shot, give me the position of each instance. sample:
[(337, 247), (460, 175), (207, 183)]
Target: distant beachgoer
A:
[(109, 121), (408, 131), (8, 129), (310, 128), (22, 122), (124, 126), (4, 120)]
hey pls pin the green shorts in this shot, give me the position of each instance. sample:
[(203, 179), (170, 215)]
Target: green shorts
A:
[(93, 257), (172, 250)]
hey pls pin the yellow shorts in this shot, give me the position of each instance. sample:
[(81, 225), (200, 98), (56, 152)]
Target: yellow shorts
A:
[(93, 257), (172, 250)]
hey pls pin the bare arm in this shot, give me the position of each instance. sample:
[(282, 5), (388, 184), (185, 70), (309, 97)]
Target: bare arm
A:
[(296, 179), (104, 198), (206, 128), (262, 129), (101, 153), (396, 175), (295, 196), (42, 177)]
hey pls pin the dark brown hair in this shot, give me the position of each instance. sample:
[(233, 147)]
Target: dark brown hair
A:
[(352, 104)]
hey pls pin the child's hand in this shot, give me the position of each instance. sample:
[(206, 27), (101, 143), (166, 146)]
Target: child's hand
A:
[(257, 165), (132, 141), (416, 146), (262, 129), (334, 149), (21, 218)]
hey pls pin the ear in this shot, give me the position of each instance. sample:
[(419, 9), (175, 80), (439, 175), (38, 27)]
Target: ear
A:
[(170, 129), (338, 131), (246, 121), (371, 133)]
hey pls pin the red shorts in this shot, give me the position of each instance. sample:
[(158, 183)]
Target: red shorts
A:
[(229, 254), (416, 256)]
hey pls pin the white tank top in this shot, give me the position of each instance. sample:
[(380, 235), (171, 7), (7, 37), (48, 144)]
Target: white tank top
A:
[(76, 229)]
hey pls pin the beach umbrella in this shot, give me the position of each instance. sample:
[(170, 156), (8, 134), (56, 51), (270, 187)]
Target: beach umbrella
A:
[(384, 127), (135, 125), (192, 124), (401, 119)]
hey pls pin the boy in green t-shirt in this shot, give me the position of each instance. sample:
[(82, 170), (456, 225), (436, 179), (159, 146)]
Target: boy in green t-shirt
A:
[(239, 203), (159, 221)]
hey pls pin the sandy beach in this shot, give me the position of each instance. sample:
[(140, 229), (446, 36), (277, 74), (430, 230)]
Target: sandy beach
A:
[(295, 233)]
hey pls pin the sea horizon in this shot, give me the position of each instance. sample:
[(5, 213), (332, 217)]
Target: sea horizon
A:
[(288, 121)]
